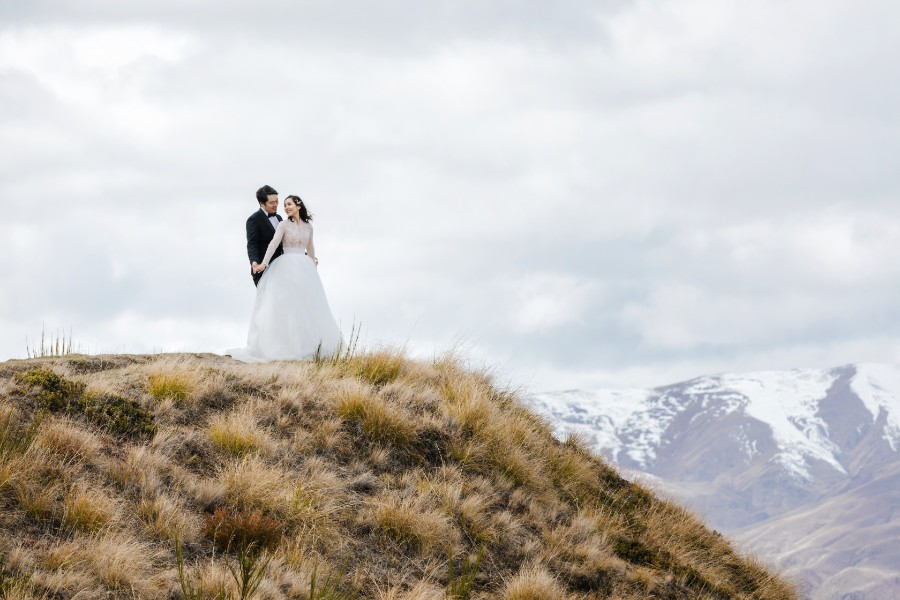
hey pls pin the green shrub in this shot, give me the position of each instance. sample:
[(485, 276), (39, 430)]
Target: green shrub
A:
[(120, 416), (54, 392)]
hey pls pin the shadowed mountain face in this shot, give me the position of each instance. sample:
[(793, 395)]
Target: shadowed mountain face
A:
[(777, 457)]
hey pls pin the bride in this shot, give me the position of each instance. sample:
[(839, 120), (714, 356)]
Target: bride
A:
[(291, 318)]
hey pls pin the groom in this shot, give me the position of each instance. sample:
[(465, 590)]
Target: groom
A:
[(261, 229)]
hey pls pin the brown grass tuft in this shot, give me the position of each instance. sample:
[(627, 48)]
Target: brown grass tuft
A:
[(166, 519), (378, 367), (170, 383), (413, 524), (87, 509), (380, 421), (231, 530), (67, 441), (238, 433), (121, 563), (252, 484), (533, 583)]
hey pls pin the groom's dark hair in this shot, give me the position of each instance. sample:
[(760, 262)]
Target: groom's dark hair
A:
[(264, 191)]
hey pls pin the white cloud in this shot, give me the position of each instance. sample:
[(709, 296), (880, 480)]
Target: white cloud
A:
[(545, 301)]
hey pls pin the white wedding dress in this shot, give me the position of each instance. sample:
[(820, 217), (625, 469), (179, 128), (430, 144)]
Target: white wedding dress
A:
[(291, 318)]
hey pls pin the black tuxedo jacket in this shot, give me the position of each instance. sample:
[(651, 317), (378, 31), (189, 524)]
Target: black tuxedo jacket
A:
[(259, 233)]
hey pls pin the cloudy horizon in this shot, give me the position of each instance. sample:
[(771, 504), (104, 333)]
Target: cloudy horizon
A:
[(577, 194)]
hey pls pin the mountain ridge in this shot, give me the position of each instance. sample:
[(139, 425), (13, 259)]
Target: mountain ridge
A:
[(747, 449)]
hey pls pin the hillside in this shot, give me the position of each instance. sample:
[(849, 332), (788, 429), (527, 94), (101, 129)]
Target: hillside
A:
[(371, 476), (802, 464)]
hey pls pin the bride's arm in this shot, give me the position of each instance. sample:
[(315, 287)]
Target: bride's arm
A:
[(310, 248), (273, 245)]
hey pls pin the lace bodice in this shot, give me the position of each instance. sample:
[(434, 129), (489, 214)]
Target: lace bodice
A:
[(292, 235)]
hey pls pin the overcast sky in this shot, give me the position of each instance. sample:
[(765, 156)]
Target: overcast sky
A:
[(578, 194)]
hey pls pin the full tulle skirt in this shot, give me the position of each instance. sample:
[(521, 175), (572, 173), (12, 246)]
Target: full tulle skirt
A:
[(291, 318)]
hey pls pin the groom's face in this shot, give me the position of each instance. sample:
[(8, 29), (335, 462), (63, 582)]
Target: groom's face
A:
[(271, 204)]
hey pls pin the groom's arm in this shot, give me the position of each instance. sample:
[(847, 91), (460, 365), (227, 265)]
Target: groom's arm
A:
[(253, 241)]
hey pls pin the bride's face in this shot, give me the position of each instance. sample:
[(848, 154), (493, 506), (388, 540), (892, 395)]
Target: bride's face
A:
[(290, 208)]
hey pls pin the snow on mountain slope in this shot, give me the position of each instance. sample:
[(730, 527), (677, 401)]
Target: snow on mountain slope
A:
[(634, 426), (878, 386), (802, 464)]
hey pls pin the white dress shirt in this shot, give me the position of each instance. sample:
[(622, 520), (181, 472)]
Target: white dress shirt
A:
[(272, 219)]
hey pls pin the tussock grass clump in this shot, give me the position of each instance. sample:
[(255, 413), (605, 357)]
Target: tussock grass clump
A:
[(378, 368), (69, 442), (380, 421), (16, 436), (533, 583), (252, 484), (121, 563), (170, 384), (87, 510), (166, 519), (237, 433), (233, 530), (413, 524), (363, 475)]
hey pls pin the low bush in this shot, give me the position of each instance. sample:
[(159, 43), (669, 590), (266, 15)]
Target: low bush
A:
[(52, 391), (120, 416), (56, 394)]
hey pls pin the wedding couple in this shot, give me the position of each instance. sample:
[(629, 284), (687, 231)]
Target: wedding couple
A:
[(291, 318)]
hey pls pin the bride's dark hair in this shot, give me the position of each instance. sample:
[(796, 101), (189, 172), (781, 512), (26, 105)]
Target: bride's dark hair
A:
[(304, 214)]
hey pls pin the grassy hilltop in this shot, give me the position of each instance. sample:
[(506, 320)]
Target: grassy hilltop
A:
[(372, 476)]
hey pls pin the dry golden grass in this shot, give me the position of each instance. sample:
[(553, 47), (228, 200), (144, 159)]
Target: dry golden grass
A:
[(384, 475), (412, 523), (170, 384), (380, 421), (238, 433), (378, 368), (533, 583), (38, 502), (87, 509), (250, 483), (68, 441), (142, 468), (121, 563), (420, 591), (166, 519)]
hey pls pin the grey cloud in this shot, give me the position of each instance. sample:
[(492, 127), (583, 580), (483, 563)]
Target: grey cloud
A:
[(458, 158)]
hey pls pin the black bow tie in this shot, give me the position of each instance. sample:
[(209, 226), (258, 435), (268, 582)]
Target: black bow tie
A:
[(272, 215)]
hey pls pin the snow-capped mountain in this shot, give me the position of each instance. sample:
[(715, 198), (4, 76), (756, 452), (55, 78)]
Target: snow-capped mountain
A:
[(745, 449)]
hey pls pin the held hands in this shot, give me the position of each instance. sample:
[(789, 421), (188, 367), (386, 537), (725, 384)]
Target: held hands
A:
[(259, 268)]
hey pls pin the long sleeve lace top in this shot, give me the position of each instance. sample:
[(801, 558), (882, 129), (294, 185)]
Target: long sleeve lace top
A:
[(296, 236)]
